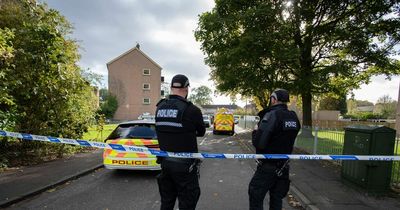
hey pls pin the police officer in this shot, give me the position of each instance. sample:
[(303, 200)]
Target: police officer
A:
[(276, 134), (178, 122)]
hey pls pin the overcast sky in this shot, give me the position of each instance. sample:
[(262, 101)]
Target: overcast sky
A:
[(164, 28)]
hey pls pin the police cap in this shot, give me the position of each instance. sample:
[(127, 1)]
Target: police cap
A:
[(281, 95), (179, 81)]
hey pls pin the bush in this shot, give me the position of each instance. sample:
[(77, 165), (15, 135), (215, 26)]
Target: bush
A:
[(363, 116)]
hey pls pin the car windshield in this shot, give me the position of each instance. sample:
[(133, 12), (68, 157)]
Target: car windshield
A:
[(129, 131), (205, 117)]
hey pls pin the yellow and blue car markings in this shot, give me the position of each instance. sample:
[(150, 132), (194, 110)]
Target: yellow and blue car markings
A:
[(127, 160)]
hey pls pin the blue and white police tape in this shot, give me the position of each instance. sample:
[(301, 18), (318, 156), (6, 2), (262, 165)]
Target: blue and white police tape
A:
[(145, 150)]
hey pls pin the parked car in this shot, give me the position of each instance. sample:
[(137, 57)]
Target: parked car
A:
[(206, 120), (236, 118), (134, 133), (146, 116)]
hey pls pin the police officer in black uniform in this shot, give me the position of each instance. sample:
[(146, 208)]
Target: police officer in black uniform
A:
[(178, 123), (276, 134)]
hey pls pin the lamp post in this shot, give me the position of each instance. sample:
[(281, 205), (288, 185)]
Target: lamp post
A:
[(398, 114), (245, 114)]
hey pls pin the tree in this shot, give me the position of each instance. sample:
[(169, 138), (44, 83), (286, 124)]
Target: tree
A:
[(332, 102), (165, 89), (329, 103), (201, 95), (44, 82), (351, 106), (103, 93), (386, 107), (7, 104), (307, 47), (93, 78), (342, 105), (108, 104)]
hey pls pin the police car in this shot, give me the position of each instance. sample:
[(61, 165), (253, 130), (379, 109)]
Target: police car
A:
[(134, 133)]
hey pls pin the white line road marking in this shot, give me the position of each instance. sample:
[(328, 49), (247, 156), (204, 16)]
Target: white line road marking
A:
[(201, 143), (205, 137)]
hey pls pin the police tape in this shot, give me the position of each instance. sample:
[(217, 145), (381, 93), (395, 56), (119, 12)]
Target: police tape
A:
[(145, 150)]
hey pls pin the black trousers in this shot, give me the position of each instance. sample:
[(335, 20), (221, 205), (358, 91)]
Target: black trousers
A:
[(175, 181), (264, 180)]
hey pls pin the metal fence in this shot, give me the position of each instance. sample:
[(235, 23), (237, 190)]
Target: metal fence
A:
[(325, 141), (248, 122)]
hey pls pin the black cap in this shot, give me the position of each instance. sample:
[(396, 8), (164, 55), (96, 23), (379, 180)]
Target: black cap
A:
[(179, 81), (281, 95)]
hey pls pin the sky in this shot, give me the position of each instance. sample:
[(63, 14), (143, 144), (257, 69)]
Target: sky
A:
[(165, 31)]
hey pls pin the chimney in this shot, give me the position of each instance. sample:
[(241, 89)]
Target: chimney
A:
[(138, 45)]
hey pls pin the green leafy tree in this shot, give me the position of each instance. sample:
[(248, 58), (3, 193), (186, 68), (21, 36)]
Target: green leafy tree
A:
[(307, 47), (351, 106), (329, 103), (108, 104), (333, 102), (44, 82), (342, 105), (201, 95), (386, 107), (93, 78), (103, 93), (7, 104)]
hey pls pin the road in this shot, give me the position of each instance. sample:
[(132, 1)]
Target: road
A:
[(223, 185)]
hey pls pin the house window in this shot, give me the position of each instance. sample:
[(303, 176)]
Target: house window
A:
[(146, 101), (146, 86), (162, 92), (146, 71)]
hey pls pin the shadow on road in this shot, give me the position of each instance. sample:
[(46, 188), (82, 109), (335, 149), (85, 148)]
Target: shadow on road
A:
[(120, 174)]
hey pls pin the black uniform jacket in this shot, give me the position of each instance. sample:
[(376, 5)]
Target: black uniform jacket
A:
[(184, 141), (277, 131)]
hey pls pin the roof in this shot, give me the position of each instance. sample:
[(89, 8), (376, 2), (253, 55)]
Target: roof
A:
[(226, 106), (250, 106), (365, 108), (131, 50)]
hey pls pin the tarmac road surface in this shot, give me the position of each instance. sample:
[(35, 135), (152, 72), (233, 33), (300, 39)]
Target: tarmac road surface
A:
[(223, 185)]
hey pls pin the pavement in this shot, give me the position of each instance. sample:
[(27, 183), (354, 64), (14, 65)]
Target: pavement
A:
[(316, 184), (321, 187), (18, 184)]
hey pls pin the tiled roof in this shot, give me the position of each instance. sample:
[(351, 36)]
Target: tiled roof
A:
[(138, 49)]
